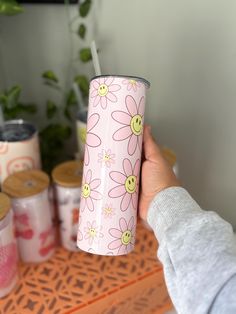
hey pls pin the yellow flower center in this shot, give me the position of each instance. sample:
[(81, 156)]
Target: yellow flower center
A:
[(102, 90), (86, 190), (130, 184), (133, 82), (126, 237), (136, 124), (106, 157), (108, 210), (92, 232)]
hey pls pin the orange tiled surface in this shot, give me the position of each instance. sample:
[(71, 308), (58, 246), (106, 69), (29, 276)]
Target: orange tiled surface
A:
[(89, 284)]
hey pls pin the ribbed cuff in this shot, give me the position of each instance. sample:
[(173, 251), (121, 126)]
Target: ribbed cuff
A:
[(167, 207)]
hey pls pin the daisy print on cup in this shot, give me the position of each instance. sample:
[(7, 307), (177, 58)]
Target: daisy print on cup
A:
[(93, 232), (132, 85), (89, 191), (103, 91), (106, 158), (127, 184), (124, 236), (132, 124)]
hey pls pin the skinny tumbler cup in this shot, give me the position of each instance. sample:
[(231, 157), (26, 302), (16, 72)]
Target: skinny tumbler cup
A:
[(110, 184)]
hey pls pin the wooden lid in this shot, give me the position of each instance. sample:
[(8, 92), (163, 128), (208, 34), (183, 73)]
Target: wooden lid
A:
[(68, 174), (25, 183), (169, 156), (5, 205)]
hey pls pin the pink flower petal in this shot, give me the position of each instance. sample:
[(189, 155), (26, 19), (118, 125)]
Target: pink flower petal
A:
[(95, 84), (125, 82), (127, 167), (118, 177), (96, 100), (133, 142), (121, 117), (136, 168), (114, 244), (141, 106), (80, 235), (116, 233), (104, 102), (123, 224), (117, 191), (93, 140), (125, 202), (109, 80), (94, 183), (87, 235), (93, 225), (122, 133), (101, 80), (134, 198), (131, 105), (92, 121), (131, 223), (95, 195), (88, 176), (114, 88), (90, 204), (122, 249), (129, 87), (94, 93), (86, 155), (111, 97)]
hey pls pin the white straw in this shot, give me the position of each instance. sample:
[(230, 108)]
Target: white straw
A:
[(95, 58), (78, 96), (1, 117)]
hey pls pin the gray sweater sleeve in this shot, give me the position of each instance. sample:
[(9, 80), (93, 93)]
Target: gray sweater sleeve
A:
[(198, 252)]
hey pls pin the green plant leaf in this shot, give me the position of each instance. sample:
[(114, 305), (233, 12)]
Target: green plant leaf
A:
[(51, 109), (84, 8), (50, 75), (71, 99), (83, 84), (82, 31), (85, 54), (13, 96), (28, 108), (67, 114), (10, 7)]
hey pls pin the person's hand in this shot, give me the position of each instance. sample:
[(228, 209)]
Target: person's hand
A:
[(156, 174)]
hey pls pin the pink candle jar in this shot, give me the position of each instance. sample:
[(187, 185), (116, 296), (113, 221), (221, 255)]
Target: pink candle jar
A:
[(34, 228), (110, 185), (8, 248)]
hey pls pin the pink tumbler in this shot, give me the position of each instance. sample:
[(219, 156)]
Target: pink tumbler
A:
[(110, 185)]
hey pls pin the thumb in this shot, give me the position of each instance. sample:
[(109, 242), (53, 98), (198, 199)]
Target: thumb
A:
[(151, 151)]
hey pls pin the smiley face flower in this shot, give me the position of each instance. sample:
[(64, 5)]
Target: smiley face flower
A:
[(131, 84), (127, 187), (106, 158), (103, 91), (93, 232), (89, 193), (124, 237), (132, 122)]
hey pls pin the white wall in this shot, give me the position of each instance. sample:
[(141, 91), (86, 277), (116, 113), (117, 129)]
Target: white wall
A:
[(187, 49)]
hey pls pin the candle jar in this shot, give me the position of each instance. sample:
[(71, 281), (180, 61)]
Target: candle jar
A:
[(8, 248), (34, 229), (67, 178), (19, 148)]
